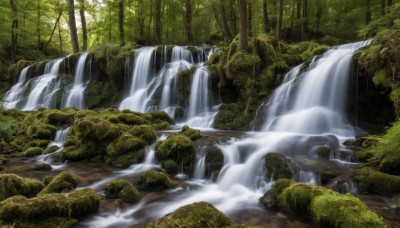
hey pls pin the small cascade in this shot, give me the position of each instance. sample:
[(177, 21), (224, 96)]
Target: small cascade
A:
[(43, 88), (59, 139), (14, 95), (75, 96), (138, 93)]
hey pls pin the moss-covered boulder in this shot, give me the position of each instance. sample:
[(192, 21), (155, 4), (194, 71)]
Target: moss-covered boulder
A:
[(277, 166), (122, 189), (180, 149), (214, 162), (19, 209), (58, 117), (171, 167), (199, 214), (51, 149), (157, 117), (32, 152), (145, 132), (323, 152), (95, 129), (320, 205), (230, 117), (41, 131), (191, 133), (152, 181), (64, 181), (47, 179), (11, 185), (372, 181), (42, 167)]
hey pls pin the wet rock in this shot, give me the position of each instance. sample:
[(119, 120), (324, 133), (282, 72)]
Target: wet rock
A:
[(41, 131), (152, 181), (32, 152), (122, 189), (200, 214), (372, 181), (214, 162), (11, 185), (277, 166), (51, 149), (64, 181), (323, 152), (42, 166), (171, 167)]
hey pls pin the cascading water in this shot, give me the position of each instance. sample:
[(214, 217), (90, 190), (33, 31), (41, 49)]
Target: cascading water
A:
[(75, 96), (59, 139), (14, 95)]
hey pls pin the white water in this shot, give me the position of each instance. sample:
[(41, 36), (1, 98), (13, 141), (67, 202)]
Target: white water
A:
[(59, 139), (75, 96), (14, 95)]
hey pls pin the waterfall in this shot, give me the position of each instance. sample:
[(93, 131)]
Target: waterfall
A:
[(14, 95), (43, 88), (198, 101), (75, 97), (59, 139)]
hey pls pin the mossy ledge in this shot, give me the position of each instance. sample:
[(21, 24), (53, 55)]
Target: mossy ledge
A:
[(11, 185), (320, 204)]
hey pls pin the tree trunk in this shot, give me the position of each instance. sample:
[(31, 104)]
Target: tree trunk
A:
[(121, 23), (243, 25), (60, 37), (279, 22), (249, 15), (267, 27), (225, 28), (52, 32), (38, 26), (188, 21), (388, 5), (292, 17), (298, 9), (304, 27), (72, 26), (383, 6), (14, 30), (109, 23), (83, 22), (368, 12), (157, 26), (232, 17), (319, 16), (140, 18)]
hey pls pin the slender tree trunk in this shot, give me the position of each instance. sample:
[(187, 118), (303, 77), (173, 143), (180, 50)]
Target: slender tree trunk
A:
[(249, 15), (225, 28), (121, 23), (304, 27), (150, 21), (38, 30), (319, 16), (53, 31), (188, 21), (140, 18), (232, 16), (14, 30), (267, 27), (298, 9), (72, 26), (109, 24), (368, 11), (60, 36), (292, 17), (383, 6), (243, 25), (83, 22), (157, 26), (279, 22)]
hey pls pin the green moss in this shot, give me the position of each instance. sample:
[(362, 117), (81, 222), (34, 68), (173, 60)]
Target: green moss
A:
[(372, 181), (242, 66), (57, 117), (95, 129), (11, 185), (74, 204), (62, 182), (42, 166), (131, 119), (125, 160), (214, 162), (191, 133), (42, 143), (145, 132), (158, 117), (171, 167), (199, 214), (277, 166), (178, 148), (125, 144), (51, 149), (323, 152), (229, 117), (33, 152), (122, 189), (40, 131), (47, 179), (152, 180), (344, 211)]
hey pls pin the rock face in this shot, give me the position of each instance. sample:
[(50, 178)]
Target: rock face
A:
[(194, 215), (277, 166)]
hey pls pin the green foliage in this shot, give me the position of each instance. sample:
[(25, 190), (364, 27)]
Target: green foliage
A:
[(11, 185), (199, 214), (152, 181), (64, 181), (229, 117), (122, 189), (372, 181)]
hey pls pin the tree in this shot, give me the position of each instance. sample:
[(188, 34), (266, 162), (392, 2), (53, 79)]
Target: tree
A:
[(304, 27), (243, 25), (279, 22), (14, 29), (72, 26), (266, 25), (121, 23), (224, 24), (83, 23), (188, 21), (38, 25), (157, 26)]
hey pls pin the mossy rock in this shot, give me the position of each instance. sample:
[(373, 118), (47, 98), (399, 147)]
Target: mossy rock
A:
[(171, 167), (323, 152), (199, 214), (122, 189), (277, 166), (214, 162), (51, 149), (42, 143), (157, 117), (33, 152), (42, 167), (95, 129), (372, 181), (11, 185), (41, 131), (229, 117), (3, 160), (125, 144), (64, 181), (320, 204), (344, 211), (390, 163), (73, 153), (127, 159), (144, 132), (152, 181), (191, 133), (75, 204), (242, 66), (47, 179), (180, 149), (131, 119), (57, 117)]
